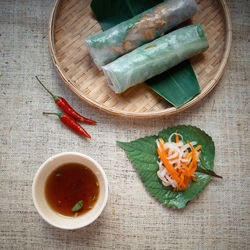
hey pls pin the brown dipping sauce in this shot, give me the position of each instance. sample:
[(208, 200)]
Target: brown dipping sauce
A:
[(69, 184)]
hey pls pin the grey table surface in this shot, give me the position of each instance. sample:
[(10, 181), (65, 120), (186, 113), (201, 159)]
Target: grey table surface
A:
[(218, 218)]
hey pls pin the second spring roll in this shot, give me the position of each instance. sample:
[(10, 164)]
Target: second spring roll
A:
[(156, 57), (145, 27)]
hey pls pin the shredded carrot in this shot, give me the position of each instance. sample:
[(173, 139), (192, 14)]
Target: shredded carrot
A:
[(180, 184), (197, 148), (185, 172), (168, 166), (176, 157), (177, 137), (182, 169), (193, 155), (166, 163), (184, 161), (186, 182), (199, 154), (150, 46), (188, 155)]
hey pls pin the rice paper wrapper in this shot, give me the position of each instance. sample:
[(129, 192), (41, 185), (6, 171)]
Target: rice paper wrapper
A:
[(143, 28), (153, 58)]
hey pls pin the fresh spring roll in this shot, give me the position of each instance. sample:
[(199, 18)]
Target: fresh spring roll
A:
[(145, 27), (156, 57)]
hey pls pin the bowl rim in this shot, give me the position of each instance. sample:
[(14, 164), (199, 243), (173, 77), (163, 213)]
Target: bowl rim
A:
[(44, 164)]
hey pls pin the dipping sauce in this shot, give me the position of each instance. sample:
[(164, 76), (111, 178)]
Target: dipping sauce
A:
[(72, 189)]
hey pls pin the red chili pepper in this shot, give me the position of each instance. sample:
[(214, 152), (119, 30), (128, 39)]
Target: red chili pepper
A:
[(71, 123), (63, 104)]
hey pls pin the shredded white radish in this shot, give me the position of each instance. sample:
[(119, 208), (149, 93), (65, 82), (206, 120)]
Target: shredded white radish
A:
[(174, 134), (177, 153)]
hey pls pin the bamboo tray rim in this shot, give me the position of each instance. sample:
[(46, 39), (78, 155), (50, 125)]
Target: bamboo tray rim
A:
[(152, 114)]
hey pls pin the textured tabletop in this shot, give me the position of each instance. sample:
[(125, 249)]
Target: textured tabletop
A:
[(219, 218)]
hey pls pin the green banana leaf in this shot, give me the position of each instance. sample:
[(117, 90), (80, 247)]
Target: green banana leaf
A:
[(177, 85)]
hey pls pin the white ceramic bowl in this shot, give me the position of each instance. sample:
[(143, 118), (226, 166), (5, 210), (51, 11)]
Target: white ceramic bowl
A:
[(41, 204)]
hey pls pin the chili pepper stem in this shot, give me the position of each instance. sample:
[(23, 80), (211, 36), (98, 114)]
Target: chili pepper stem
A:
[(51, 113), (54, 96)]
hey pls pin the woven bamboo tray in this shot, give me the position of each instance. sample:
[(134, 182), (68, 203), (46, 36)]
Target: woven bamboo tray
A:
[(71, 21)]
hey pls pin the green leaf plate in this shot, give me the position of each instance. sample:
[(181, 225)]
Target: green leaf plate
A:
[(143, 154)]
